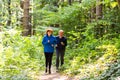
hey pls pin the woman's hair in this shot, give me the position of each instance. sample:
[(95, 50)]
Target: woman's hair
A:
[(49, 29)]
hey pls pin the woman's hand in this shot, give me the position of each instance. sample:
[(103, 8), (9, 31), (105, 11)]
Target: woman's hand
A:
[(48, 41)]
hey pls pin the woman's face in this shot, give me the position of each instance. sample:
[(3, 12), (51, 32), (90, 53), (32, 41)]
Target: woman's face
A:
[(49, 33)]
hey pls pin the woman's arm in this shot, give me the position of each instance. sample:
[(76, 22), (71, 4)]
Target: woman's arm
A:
[(44, 41)]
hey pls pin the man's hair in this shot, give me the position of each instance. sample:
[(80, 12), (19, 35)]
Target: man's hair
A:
[(61, 31)]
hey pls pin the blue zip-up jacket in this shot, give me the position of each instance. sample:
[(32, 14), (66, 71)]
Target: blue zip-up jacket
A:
[(49, 46)]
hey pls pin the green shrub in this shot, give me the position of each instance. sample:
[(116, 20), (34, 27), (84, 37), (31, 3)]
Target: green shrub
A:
[(21, 57)]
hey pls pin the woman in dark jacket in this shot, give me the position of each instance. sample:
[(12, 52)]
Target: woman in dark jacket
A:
[(48, 42)]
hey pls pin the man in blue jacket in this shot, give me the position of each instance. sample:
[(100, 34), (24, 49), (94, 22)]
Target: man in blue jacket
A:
[(60, 48), (48, 42)]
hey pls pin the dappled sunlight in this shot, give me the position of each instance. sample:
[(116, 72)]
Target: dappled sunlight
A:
[(110, 54), (102, 63), (91, 28)]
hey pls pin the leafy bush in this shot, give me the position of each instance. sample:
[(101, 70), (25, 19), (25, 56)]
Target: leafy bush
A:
[(21, 57), (111, 73), (90, 59)]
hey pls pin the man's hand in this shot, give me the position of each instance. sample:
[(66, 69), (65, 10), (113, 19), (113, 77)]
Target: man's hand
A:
[(52, 45), (62, 43), (56, 45)]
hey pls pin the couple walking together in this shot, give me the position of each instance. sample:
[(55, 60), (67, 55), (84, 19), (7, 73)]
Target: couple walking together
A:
[(50, 42)]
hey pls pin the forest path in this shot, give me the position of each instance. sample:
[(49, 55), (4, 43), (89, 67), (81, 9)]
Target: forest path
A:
[(53, 76)]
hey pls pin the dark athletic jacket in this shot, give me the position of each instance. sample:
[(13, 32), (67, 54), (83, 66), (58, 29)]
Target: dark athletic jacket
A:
[(58, 42)]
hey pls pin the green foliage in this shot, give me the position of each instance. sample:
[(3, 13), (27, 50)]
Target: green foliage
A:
[(87, 3), (15, 14), (93, 46), (112, 73), (21, 57), (49, 7), (91, 59)]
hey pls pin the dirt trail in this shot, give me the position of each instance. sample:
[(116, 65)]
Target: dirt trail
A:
[(53, 76)]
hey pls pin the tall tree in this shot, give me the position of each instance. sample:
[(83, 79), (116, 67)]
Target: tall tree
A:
[(26, 18), (9, 13), (17, 19), (118, 12), (93, 11), (80, 1), (118, 2), (70, 2), (98, 9), (99, 30), (55, 3)]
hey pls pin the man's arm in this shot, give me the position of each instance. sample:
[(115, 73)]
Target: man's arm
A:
[(65, 41)]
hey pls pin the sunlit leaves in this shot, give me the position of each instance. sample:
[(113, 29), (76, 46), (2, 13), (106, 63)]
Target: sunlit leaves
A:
[(114, 4), (19, 55), (89, 3)]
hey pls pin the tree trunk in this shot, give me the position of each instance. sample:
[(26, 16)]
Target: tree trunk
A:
[(62, 3), (70, 2), (9, 12), (80, 1), (21, 4), (17, 16), (56, 3), (98, 28), (93, 11), (3, 8), (26, 19), (118, 12), (118, 2), (98, 9)]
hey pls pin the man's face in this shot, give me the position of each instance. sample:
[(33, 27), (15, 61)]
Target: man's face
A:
[(61, 34)]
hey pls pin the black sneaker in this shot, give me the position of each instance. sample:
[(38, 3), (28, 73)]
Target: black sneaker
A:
[(46, 70), (49, 71)]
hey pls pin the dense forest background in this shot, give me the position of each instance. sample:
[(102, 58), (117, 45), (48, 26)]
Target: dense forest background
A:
[(91, 27)]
